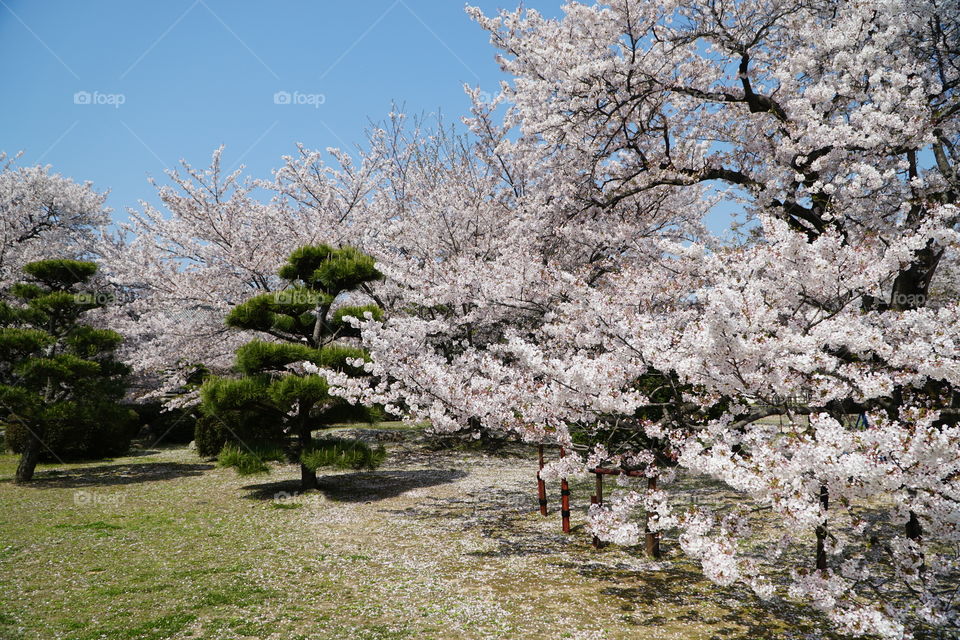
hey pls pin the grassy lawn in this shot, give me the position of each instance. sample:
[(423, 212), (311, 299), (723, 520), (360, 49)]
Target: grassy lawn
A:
[(436, 544)]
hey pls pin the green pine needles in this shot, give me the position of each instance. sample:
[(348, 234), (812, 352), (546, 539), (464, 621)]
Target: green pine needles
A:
[(273, 404), (60, 382), (248, 462)]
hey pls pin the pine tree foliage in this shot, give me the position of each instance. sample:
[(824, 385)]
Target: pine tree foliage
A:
[(60, 383), (274, 403)]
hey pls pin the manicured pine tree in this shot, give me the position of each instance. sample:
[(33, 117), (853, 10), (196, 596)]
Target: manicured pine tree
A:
[(60, 384), (271, 411)]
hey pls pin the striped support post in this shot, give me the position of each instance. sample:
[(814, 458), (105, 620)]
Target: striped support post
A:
[(541, 485), (564, 499)]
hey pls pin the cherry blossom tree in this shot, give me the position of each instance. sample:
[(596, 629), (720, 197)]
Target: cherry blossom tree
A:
[(539, 296), (220, 240), (551, 274), (44, 215)]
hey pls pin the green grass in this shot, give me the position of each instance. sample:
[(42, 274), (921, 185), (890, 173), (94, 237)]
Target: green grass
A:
[(154, 629), (433, 545), (286, 505), (99, 525)]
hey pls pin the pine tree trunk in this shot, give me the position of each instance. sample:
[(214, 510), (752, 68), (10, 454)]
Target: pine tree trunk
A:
[(308, 477), (28, 460)]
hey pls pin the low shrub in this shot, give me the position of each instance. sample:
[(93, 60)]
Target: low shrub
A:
[(249, 461), (209, 435), (75, 431), (173, 426), (339, 453)]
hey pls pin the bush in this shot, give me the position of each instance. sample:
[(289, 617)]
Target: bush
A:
[(212, 431), (209, 435), (174, 426), (345, 413), (79, 431), (338, 453)]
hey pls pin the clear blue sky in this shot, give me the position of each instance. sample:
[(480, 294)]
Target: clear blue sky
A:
[(195, 74)]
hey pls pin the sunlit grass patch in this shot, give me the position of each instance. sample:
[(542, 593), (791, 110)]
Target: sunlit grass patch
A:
[(159, 628), (435, 544), (99, 525)]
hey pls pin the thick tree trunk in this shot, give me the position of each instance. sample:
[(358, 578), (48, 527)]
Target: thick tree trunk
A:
[(914, 531), (308, 478), (914, 528), (652, 539), (28, 461), (822, 531), (911, 285)]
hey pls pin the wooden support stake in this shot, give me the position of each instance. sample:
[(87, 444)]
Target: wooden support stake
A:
[(541, 485), (564, 499)]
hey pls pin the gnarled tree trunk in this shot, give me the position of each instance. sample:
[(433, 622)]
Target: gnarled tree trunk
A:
[(28, 460)]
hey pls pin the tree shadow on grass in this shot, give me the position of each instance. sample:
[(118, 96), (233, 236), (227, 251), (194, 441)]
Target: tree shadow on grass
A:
[(116, 474), (734, 612), (501, 516), (670, 593), (364, 486)]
